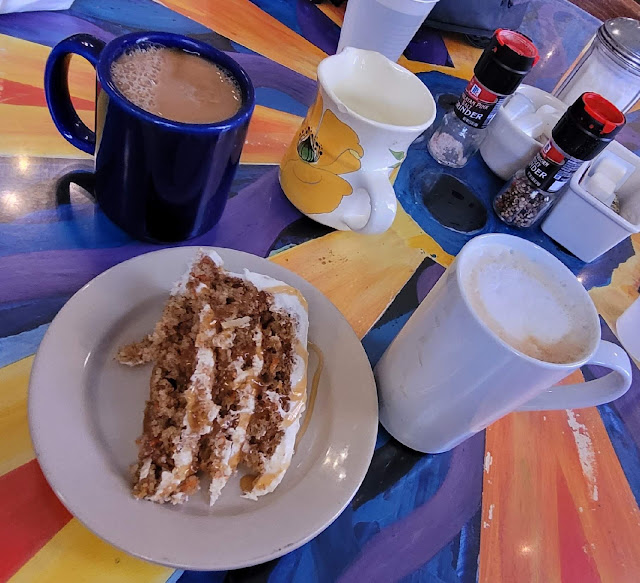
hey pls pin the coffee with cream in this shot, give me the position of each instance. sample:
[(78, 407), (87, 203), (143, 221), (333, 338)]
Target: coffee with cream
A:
[(176, 85), (529, 309)]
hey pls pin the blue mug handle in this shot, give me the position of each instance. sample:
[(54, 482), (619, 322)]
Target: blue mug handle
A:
[(56, 87)]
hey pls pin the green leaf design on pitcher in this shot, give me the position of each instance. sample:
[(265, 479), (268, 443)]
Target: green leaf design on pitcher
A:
[(308, 149), (397, 155)]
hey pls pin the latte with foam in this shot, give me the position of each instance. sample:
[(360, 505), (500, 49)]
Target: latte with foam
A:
[(522, 302), (176, 85)]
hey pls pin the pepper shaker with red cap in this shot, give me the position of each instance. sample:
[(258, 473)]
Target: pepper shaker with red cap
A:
[(586, 128), (501, 68)]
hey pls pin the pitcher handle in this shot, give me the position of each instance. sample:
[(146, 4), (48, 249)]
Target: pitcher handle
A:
[(56, 87), (592, 393), (383, 203)]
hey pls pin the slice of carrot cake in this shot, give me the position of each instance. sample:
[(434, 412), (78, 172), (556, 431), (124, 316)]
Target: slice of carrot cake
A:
[(228, 385)]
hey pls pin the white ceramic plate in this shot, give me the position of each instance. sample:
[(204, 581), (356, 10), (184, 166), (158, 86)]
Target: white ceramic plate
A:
[(85, 412)]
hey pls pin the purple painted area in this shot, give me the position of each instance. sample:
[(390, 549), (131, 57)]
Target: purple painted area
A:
[(401, 548), (559, 30), (629, 136), (254, 218), (428, 47), (251, 222), (48, 28), (428, 279), (267, 73), (317, 27)]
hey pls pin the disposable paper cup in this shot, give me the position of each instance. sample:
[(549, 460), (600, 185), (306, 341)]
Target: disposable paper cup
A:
[(386, 26)]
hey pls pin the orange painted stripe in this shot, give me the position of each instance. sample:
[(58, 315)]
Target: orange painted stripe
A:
[(556, 505), (16, 93), (576, 563), (270, 133), (29, 130), (23, 61), (335, 13), (30, 515), (243, 22)]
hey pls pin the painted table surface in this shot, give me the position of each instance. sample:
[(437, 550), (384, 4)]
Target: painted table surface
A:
[(545, 497)]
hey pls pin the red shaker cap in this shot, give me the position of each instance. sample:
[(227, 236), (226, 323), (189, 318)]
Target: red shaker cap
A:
[(518, 43), (589, 124), (603, 111)]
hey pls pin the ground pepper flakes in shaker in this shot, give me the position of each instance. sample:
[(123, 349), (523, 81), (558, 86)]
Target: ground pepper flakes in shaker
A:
[(586, 128), (497, 74)]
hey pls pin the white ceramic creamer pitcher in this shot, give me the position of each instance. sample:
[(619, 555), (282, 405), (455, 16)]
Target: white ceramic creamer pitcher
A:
[(340, 167)]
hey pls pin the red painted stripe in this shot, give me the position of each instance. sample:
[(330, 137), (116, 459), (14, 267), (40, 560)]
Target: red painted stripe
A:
[(16, 93), (576, 562), (30, 514)]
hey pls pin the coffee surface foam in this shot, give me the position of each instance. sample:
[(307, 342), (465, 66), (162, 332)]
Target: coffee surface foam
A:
[(522, 302), (176, 85)]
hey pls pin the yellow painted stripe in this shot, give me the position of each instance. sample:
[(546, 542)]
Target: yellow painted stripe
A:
[(360, 277), (76, 555), (613, 299), (28, 129), (420, 67), (463, 56), (16, 446), (24, 61), (431, 248), (243, 22)]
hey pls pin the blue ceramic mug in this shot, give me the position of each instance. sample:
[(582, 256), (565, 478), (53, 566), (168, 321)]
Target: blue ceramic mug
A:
[(159, 180)]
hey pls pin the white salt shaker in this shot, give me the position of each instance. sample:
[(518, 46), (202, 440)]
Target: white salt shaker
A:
[(610, 66)]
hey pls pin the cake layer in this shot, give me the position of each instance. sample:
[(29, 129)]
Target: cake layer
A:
[(228, 384)]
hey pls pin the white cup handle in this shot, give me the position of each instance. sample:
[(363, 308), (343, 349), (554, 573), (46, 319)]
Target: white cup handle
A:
[(592, 393), (383, 203)]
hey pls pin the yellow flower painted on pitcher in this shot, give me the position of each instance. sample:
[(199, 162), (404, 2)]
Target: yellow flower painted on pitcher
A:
[(322, 150)]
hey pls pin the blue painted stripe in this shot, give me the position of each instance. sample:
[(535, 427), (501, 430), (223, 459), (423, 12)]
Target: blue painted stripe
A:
[(15, 348), (624, 446), (18, 317), (202, 576), (242, 49), (377, 339), (87, 231), (175, 576), (282, 10), (275, 99)]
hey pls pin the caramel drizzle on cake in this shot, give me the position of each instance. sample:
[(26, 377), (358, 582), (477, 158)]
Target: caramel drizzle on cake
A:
[(228, 384)]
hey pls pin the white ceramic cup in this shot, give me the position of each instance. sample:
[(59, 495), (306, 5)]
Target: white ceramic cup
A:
[(447, 375), (340, 167), (385, 26)]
